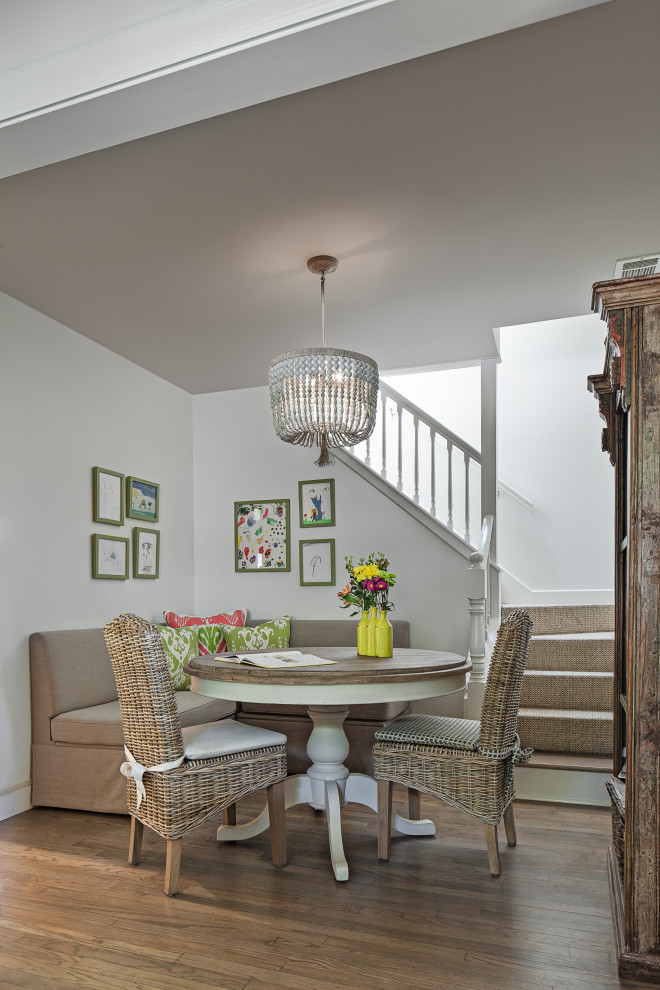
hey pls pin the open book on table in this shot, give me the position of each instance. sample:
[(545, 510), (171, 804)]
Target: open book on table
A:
[(284, 658)]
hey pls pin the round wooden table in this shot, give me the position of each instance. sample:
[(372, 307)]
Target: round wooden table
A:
[(328, 691)]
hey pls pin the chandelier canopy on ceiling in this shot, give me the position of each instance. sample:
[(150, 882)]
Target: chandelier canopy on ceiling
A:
[(323, 395)]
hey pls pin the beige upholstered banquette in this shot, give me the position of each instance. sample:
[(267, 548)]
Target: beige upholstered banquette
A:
[(77, 738)]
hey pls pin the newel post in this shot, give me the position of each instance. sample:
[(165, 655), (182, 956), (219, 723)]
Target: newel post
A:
[(476, 580)]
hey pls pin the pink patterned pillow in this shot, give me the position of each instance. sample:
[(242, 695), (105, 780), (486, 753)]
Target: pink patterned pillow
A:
[(178, 619), (210, 628)]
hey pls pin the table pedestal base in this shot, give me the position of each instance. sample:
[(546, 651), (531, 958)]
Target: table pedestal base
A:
[(328, 785)]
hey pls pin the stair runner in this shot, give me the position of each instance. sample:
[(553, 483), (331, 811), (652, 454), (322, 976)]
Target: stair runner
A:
[(566, 697)]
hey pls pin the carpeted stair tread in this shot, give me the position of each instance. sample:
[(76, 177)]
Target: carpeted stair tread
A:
[(567, 689), (566, 731), (590, 653), (562, 619), (604, 636)]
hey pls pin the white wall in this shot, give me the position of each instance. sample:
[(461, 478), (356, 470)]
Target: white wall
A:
[(66, 405), (237, 456), (549, 436)]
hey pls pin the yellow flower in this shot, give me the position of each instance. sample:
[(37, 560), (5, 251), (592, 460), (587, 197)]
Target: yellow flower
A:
[(365, 571)]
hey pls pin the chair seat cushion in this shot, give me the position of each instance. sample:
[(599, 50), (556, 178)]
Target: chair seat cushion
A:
[(433, 730), (100, 725), (203, 742)]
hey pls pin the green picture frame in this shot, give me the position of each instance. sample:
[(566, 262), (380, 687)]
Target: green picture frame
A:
[(261, 536), (107, 496), (317, 562), (142, 499), (316, 503), (110, 556), (146, 553)]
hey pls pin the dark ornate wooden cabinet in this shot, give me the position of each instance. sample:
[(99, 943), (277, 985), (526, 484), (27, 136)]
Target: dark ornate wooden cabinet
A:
[(628, 393)]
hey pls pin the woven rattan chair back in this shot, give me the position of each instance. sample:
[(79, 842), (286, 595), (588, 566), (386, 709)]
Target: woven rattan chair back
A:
[(499, 709), (150, 718)]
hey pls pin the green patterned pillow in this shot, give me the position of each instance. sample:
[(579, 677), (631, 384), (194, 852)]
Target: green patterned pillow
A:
[(180, 646), (210, 638), (268, 636)]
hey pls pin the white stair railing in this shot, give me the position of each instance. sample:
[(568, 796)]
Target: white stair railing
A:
[(426, 462)]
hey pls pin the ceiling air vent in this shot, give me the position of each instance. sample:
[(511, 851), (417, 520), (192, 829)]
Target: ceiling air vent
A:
[(648, 264)]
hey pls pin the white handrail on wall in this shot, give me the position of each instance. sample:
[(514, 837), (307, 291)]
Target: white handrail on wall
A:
[(478, 601)]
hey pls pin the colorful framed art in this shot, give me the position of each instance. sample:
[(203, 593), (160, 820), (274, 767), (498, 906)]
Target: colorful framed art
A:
[(109, 557), (142, 499), (261, 535), (317, 562), (316, 503), (146, 552), (108, 497)]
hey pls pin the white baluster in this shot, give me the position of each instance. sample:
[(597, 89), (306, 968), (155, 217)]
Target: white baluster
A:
[(383, 407), (416, 491), (399, 411), (432, 471), (466, 457), (450, 484)]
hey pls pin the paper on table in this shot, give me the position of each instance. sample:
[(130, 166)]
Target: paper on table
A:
[(288, 658)]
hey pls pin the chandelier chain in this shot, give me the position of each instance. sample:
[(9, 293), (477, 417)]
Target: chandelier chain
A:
[(323, 308)]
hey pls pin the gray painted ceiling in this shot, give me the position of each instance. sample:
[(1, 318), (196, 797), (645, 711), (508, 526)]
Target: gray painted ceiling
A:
[(482, 186)]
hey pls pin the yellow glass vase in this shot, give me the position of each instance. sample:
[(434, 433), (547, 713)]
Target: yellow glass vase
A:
[(383, 636), (362, 634), (371, 632)]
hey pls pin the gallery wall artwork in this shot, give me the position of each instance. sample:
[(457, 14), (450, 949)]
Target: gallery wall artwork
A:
[(317, 562), (108, 496), (142, 499), (115, 496), (146, 552), (261, 535), (109, 557), (316, 503)]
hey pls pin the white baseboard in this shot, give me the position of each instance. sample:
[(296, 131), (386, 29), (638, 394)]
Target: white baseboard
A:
[(514, 592), (15, 800), (562, 786)]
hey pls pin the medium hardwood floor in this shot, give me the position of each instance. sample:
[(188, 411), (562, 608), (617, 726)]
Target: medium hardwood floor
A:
[(74, 914)]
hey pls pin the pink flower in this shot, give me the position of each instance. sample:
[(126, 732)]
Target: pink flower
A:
[(369, 585), (380, 584)]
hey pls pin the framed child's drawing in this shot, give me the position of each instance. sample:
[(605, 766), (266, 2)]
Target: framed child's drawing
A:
[(142, 499), (317, 561), (109, 557), (316, 503), (261, 535), (146, 552), (108, 496)]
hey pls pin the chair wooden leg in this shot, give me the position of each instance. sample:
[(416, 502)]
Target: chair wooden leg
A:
[(510, 826), (135, 842), (229, 815), (493, 850), (414, 804), (384, 818), (277, 816), (172, 866)]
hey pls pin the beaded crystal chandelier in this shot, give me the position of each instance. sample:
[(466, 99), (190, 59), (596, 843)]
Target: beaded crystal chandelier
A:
[(323, 395)]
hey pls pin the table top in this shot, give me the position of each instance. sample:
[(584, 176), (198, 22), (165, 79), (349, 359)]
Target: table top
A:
[(407, 675)]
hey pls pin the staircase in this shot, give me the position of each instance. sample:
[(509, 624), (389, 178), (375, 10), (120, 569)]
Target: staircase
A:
[(566, 701)]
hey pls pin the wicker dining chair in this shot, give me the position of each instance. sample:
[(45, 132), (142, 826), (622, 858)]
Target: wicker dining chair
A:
[(178, 779), (468, 763)]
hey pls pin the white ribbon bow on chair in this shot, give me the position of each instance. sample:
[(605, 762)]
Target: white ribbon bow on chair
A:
[(137, 770)]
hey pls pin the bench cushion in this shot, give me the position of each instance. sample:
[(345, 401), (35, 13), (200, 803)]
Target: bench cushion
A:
[(100, 725)]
